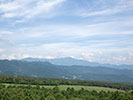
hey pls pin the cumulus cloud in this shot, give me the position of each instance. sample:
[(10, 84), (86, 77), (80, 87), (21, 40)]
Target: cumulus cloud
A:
[(59, 50), (50, 57), (18, 56)]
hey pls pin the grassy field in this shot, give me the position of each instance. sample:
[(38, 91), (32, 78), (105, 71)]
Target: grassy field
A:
[(64, 87)]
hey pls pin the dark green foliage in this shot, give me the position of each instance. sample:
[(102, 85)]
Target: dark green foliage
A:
[(56, 82), (29, 92), (35, 93)]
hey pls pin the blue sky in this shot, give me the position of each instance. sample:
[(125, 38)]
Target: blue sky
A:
[(94, 30)]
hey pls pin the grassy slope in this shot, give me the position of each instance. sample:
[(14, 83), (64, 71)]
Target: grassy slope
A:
[(64, 87)]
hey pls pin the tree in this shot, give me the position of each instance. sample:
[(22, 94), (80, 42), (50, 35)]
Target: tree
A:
[(50, 97)]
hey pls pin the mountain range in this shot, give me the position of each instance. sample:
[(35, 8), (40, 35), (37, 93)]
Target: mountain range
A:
[(69, 61), (46, 69)]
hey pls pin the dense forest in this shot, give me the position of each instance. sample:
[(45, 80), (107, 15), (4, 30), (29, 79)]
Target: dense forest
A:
[(41, 93), (26, 91)]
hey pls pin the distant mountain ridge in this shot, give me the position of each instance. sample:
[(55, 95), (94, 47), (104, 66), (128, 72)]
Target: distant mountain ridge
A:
[(48, 70), (68, 61)]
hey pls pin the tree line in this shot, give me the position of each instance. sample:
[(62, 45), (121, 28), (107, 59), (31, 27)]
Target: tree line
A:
[(54, 82)]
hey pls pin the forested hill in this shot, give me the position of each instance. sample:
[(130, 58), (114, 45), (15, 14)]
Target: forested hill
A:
[(48, 70)]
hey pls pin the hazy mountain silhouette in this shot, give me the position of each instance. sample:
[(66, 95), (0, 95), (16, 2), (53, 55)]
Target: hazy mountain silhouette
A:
[(68, 61)]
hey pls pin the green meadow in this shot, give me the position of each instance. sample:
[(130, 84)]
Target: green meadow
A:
[(64, 87)]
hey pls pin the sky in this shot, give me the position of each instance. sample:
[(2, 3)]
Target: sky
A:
[(94, 30)]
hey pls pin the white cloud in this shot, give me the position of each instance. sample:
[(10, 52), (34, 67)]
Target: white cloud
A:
[(72, 32), (17, 56), (130, 54), (4, 32), (2, 50), (119, 59), (119, 6), (88, 56), (3, 37), (59, 50), (26, 9), (50, 57), (93, 39)]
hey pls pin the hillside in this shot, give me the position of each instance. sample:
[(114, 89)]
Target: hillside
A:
[(48, 70)]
